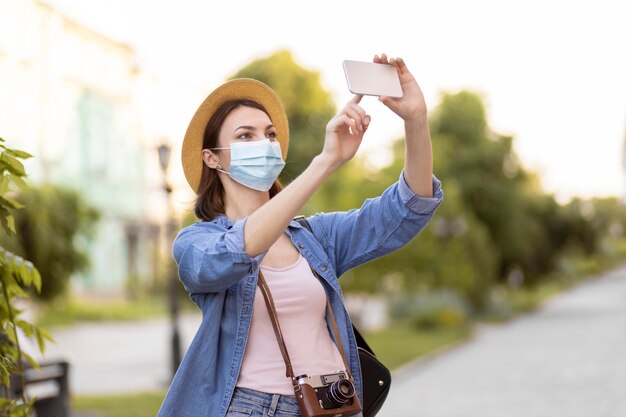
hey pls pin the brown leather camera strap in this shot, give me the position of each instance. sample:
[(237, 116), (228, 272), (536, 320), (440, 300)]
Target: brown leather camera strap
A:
[(269, 302)]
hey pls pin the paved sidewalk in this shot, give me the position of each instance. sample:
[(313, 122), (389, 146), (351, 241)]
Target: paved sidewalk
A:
[(566, 360), (120, 357)]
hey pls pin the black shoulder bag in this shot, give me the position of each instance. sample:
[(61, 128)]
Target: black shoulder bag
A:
[(376, 377)]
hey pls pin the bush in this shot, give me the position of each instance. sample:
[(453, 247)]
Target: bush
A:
[(432, 310)]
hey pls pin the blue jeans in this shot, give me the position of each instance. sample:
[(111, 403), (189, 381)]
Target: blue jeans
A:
[(251, 403)]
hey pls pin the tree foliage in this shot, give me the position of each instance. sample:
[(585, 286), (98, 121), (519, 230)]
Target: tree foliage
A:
[(16, 275), (493, 184), (309, 107), (48, 229), (496, 224)]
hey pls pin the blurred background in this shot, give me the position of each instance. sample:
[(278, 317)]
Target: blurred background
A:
[(527, 110)]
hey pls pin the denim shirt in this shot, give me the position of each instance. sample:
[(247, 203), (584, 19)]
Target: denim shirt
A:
[(221, 279)]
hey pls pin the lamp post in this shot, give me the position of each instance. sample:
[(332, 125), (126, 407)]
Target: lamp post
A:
[(164, 158)]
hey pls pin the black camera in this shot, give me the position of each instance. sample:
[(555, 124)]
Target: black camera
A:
[(332, 390)]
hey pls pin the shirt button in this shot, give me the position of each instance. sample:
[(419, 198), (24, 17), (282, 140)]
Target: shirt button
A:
[(323, 267), (301, 245)]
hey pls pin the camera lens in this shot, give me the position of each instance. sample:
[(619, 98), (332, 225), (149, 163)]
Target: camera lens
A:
[(340, 392)]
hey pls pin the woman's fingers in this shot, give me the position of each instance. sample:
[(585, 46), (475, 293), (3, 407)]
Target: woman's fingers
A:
[(355, 112), (396, 62), (354, 127), (352, 116), (357, 98), (401, 65)]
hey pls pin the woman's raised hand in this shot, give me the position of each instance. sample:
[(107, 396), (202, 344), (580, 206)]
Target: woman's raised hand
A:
[(344, 132), (411, 106)]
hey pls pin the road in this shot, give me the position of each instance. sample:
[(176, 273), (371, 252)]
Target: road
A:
[(120, 357), (568, 360)]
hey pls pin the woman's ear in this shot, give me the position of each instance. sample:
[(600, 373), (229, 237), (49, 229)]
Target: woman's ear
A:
[(210, 159)]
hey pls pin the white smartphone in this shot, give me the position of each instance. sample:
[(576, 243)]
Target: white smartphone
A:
[(372, 79)]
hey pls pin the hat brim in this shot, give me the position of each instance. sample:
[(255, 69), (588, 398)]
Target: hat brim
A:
[(237, 89)]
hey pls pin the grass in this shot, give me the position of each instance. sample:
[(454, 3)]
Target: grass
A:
[(72, 310), (144, 404), (400, 343)]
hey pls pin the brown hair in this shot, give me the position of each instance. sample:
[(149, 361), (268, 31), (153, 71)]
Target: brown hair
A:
[(210, 199)]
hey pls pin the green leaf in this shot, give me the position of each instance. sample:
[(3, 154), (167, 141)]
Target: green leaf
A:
[(24, 275), (13, 164), (8, 202), (41, 343), (4, 214), (18, 153), (22, 185), (18, 291), (11, 224), (31, 360), (11, 335), (36, 280), (9, 280), (26, 327), (4, 184), (12, 352), (12, 281), (5, 379), (5, 368), (42, 335), (4, 312)]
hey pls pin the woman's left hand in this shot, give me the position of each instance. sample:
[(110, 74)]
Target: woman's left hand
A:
[(411, 106)]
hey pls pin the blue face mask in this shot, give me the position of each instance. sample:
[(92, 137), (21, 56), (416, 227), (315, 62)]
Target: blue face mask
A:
[(255, 164)]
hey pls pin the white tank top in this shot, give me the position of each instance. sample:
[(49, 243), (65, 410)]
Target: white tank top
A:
[(300, 302)]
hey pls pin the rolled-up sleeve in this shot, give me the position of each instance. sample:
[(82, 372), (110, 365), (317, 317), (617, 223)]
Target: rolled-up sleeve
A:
[(419, 204), (380, 226), (211, 258)]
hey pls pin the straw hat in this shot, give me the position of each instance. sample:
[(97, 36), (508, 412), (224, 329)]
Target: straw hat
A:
[(240, 88)]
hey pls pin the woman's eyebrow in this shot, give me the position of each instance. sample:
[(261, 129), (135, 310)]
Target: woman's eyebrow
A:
[(245, 127), (270, 126)]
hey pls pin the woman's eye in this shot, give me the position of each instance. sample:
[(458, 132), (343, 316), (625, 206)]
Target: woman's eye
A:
[(271, 135), (244, 136)]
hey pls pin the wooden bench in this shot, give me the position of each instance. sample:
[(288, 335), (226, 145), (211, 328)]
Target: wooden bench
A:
[(49, 384)]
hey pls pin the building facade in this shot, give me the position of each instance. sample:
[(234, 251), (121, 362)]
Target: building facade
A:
[(68, 96)]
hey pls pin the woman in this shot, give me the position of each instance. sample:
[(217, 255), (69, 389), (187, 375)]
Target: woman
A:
[(233, 152)]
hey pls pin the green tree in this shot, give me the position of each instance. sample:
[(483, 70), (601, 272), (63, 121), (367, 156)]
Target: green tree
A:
[(16, 275), (453, 252), (501, 194), (308, 105), (48, 229)]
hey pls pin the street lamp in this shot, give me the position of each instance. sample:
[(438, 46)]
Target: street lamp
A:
[(164, 159)]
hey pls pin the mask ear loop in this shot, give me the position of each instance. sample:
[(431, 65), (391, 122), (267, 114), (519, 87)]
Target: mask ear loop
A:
[(218, 167)]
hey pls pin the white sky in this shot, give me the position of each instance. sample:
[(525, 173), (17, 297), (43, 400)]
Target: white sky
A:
[(552, 73)]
